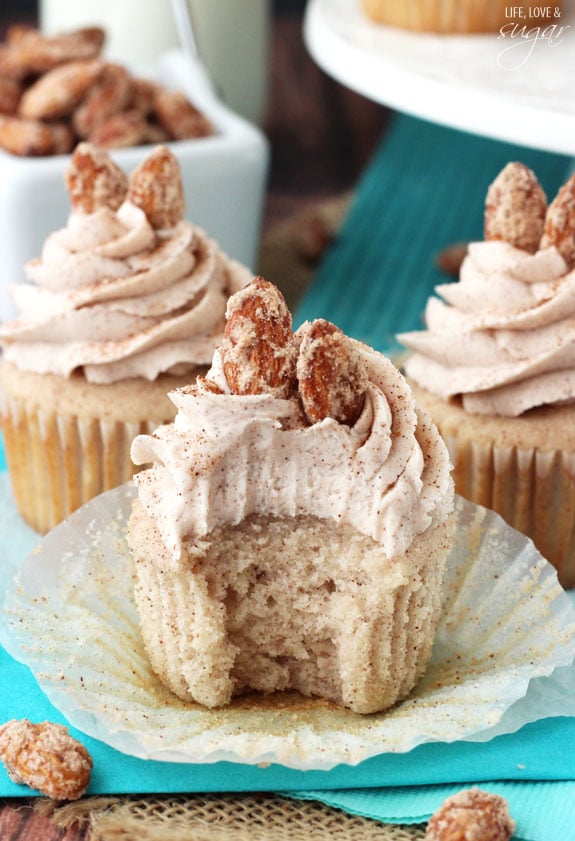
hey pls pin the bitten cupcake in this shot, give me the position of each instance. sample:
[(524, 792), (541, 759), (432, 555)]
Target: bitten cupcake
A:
[(125, 304), (495, 367), (462, 17), (293, 529)]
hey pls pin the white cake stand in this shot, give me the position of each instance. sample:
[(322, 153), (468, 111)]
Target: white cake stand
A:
[(513, 88)]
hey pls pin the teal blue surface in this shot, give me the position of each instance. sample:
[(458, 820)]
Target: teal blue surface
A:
[(423, 190)]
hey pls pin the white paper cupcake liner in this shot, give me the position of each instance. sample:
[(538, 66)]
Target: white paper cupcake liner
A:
[(69, 614)]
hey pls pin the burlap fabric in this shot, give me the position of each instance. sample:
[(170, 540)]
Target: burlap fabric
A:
[(238, 817)]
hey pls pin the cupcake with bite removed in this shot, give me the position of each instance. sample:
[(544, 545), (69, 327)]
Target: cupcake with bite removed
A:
[(495, 366), (293, 529), (126, 303)]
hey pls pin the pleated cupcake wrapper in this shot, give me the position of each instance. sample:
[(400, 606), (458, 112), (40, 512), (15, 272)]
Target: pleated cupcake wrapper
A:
[(534, 491), (505, 625), (170, 601), (59, 462)]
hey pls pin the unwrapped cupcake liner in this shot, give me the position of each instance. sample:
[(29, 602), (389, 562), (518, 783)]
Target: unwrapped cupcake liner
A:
[(533, 490), (506, 625), (58, 462)]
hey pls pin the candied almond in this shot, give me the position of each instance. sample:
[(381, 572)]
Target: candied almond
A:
[(179, 117), (471, 813), (515, 208), (33, 137), (46, 758), (156, 187), (126, 128), (331, 378), (142, 95), (258, 350), (10, 94), (560, 223), (29, 53), (57, 93), (110, 94), (94, 180)]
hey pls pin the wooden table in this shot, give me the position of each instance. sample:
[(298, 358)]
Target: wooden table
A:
[(321, 136)]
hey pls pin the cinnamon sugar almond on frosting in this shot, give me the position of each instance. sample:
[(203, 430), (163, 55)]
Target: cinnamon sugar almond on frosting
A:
[(258, 352), (515, 208), (155, 186), (93, 180), (331, 379), (559, 227)]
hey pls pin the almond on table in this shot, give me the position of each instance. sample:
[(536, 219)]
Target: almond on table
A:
[(45, 757), (471, 814)]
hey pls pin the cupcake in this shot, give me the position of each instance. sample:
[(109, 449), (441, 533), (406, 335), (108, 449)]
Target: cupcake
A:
[(454, 16), (495, 366), (292, 531), (125, 304)]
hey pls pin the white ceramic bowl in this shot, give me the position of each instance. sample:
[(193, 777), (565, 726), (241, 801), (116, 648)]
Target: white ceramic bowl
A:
[(224, 180)]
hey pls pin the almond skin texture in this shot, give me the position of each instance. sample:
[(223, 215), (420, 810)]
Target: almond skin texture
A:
[(331, 379), (109, 95), (29, 53), (471, 814), (258, 350), (156, 187), (33, 137), (560, 223), (515, 208), (94, 180), (58, 92), (179, 117), (45, 757)]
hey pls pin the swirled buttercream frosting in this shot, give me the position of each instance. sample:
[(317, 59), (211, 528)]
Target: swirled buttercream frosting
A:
[(115, 295), (380, 466), (502, 338)]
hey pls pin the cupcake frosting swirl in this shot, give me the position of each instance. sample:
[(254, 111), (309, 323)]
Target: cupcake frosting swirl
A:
[(128, 288), (227, 456), (117, 299), (503, 337)]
